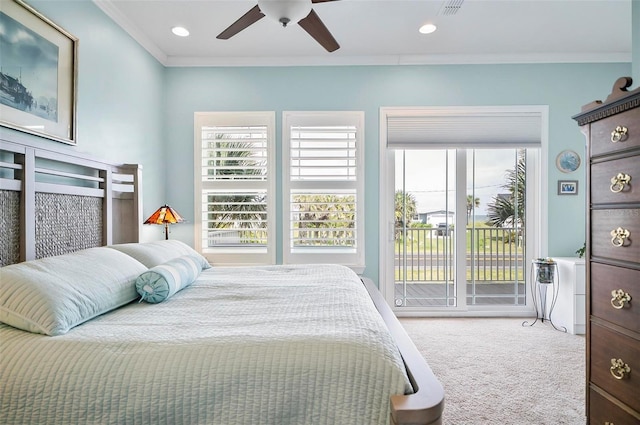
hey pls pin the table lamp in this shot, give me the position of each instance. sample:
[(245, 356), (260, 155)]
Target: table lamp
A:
[(165, 215)]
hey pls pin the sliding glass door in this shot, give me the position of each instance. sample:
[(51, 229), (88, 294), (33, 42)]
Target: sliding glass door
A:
[(496, 227), (461, 207), (425, 209), (460, 228)]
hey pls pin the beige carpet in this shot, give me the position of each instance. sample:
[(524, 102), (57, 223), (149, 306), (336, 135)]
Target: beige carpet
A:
[(494, 371)]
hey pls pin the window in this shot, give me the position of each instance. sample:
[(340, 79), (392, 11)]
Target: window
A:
[(235, 186), (323, 185)]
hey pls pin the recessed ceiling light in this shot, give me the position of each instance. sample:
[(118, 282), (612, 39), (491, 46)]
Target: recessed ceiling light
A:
[(427, 28), (180, 31)]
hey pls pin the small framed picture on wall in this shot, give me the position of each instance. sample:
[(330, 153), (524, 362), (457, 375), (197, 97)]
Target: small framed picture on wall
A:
[(567, 187)]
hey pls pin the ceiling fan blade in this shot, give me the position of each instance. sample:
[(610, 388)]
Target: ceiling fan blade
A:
[(321, 1), (316, 29), (251, 17)]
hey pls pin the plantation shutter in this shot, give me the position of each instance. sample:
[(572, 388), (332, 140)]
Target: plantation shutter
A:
[(324, 182), (234, 153), (236, 188), (236, 214), (323, 189)]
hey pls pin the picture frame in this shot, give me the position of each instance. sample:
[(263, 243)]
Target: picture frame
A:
[(38, 91), (567, 187)]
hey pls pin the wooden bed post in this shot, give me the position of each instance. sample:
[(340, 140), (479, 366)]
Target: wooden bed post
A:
[(426, 404), (126, 203), (107, 207), (27, 203)]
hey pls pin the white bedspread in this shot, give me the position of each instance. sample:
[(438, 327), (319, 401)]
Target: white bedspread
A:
[(255, 345)]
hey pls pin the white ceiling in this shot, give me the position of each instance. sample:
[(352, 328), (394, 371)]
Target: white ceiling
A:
[(384, 32)]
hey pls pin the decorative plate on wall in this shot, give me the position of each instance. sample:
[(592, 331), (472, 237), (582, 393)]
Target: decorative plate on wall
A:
[(568, 161)]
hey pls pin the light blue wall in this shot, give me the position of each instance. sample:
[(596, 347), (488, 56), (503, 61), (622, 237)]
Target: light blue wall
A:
[(564, 87), (131, 109), (120, 97)]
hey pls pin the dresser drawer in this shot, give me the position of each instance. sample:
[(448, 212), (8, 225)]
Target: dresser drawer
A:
[(606, 345), (602, 188), (603, 411), (603, 244), (601, 132), (604, 280)]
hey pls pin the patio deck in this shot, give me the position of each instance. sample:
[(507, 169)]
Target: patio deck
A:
[(434, 294)]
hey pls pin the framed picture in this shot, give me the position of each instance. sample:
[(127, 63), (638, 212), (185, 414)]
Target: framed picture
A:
[(38, 67), (567, 187)]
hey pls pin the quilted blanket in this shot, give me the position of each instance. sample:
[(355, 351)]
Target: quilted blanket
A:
[(253, 345)]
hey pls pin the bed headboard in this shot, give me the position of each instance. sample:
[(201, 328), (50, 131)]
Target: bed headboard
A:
[(55, 202)]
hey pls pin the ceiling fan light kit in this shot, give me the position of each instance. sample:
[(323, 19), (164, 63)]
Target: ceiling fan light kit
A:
[(284, 12)]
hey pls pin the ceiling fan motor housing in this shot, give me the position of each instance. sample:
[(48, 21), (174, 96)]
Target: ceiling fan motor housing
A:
[(285, 11)]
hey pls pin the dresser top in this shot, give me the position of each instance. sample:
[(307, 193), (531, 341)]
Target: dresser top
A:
[(618, 101)]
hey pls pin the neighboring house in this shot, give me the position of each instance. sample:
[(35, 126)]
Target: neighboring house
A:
[(440, 217), (435, 218)]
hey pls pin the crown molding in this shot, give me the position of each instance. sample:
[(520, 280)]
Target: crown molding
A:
[(476, 59), (120, 19), (114, 13)]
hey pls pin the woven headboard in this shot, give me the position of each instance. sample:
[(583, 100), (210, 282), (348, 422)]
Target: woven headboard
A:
[(53, 203)]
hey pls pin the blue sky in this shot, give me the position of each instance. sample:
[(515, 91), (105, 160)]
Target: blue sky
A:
[(426, 176)]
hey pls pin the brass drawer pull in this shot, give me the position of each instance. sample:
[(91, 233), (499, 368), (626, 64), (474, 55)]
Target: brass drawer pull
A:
[(619, 298), (618, 236), (619, 134), (619, 181), (619, 369)]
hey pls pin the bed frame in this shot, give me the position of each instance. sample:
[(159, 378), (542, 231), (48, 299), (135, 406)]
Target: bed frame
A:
[(53, 202)]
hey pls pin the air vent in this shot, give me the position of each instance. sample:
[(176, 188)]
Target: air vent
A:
[(450, 7)]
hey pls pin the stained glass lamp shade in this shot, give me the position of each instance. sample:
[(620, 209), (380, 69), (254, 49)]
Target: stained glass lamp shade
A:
[(165, 215)]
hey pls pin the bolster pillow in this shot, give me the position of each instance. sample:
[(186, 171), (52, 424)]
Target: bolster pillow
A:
[(161, 282)]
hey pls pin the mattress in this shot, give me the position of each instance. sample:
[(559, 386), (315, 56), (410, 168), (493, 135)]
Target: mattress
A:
[(250, 345)]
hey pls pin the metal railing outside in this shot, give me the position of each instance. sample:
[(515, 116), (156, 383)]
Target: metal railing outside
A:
[(494, 255)]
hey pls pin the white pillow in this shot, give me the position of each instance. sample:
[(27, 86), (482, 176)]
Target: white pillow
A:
[(153, 254), (52, 295)]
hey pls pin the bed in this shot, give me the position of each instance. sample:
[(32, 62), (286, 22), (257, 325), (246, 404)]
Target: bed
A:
[(224, 345)]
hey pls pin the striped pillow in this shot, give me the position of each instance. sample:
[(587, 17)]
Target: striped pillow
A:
[(162, 281), (52, 295)]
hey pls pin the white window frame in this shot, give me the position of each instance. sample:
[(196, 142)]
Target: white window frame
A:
[(354, 259), (242, 255)]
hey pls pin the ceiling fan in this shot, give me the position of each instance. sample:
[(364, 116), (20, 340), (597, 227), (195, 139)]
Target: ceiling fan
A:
[(286, 11)]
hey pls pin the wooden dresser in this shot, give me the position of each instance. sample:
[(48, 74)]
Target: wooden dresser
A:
[(612, 129)]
